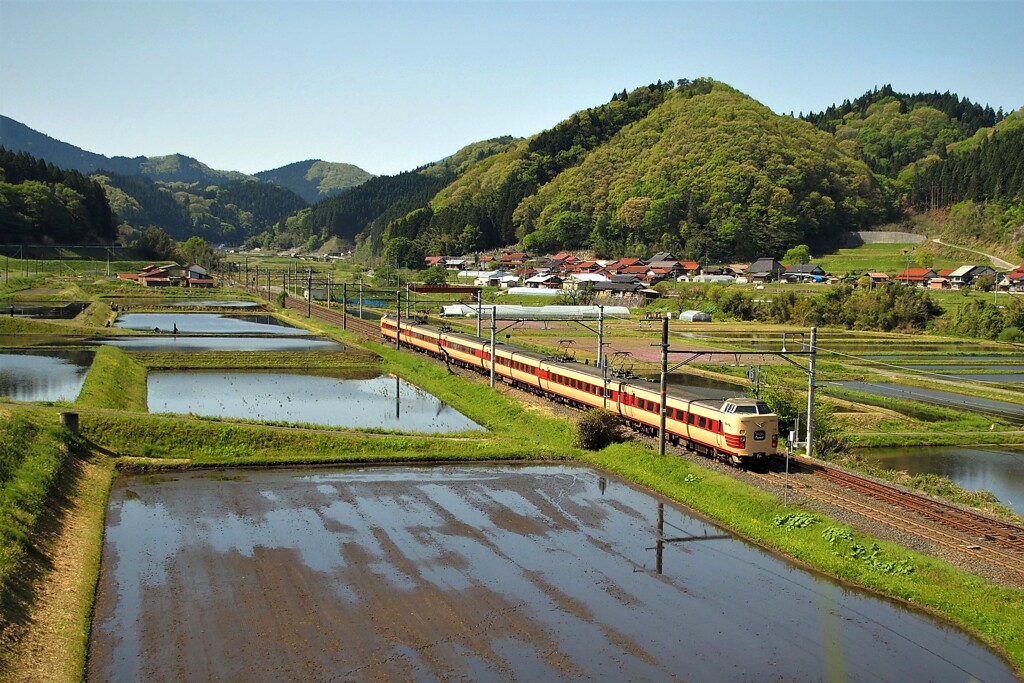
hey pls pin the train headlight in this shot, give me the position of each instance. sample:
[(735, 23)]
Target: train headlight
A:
[(775, 440)]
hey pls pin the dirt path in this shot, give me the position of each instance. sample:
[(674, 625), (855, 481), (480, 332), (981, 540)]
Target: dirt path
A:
[(48, 643), (996, 261)]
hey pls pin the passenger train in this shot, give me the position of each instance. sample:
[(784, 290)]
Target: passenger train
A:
[(739, 430)]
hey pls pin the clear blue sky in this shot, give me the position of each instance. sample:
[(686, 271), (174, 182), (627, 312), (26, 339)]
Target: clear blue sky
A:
[(250, 85)]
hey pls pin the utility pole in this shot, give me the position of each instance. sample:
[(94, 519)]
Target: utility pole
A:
[(479, 309), (493, 359), (309, 291), (663, 394), (810, 389), (600, 334), (398, 320), (344, 305)]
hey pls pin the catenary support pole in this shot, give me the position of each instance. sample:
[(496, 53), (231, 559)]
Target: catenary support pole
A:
[(398, 320), (494, 321), (810, 389), (663, 393)]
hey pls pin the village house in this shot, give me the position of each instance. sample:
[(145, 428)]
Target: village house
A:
[(965, 275), (765, 270), (804, 272), (918, 277), (1015, 279), (512, 260), (431, 261), (878, 278), (618, 287), (171, 275), (616, 267), (544, 282), (579, 280)]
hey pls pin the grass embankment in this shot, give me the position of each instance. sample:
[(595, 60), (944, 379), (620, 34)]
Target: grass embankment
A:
[(116, 381), (155, 441), (51, 528), (352, 362), (96, 314), (992, 612)]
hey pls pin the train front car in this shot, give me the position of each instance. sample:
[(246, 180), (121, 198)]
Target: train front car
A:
[(750, 428)]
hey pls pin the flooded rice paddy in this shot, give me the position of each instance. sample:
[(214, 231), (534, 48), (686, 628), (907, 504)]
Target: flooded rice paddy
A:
[(380, 403), (474, 573), (209, 343), (1012, 413), (207, 323), (44, 375), (999, 470), (211, 303), (45, 310)]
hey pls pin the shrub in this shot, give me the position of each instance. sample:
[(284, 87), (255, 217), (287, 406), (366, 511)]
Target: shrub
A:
[(1011, 334), (597, 429)]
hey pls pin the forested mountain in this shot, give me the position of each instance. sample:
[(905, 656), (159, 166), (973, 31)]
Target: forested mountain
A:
[(987, 166), (314, 180), (365, 210), (220, 214), (173, 167), (889, 130), (698, 168), (695, 167), (71, 208)]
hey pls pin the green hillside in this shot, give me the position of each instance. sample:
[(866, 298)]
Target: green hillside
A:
[(695, 167), (227, 213), (314, 180)]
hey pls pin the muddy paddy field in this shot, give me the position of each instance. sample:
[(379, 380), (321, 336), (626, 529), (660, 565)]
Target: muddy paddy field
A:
[(475, 573)]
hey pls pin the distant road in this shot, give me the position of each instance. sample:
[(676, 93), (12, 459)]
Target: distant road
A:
[(996, 261)]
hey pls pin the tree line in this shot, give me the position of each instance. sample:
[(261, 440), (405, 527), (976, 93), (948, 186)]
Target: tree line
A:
[(40, 202)]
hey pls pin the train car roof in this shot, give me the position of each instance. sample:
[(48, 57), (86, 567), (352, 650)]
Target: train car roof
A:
[(591, 371)]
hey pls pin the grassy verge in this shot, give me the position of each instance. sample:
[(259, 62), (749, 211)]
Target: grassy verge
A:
[(991, 612), (31, 456), (115, 381), (96, 314), (39, 479), (358, 361)]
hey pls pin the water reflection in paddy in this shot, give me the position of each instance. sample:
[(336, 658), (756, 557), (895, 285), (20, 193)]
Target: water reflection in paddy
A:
[(184, 343), (539, 573), (1002, 410), (212, 303), (207, 323), (36, 375), (999, 470), (382, 402)]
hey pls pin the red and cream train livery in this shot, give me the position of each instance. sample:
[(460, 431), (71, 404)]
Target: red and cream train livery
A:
[(739, 429)]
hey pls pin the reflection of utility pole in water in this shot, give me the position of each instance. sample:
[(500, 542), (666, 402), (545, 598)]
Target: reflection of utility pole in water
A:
[(398, 399), (659, 544)]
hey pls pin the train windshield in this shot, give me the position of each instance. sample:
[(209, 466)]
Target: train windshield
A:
[(751, 407)]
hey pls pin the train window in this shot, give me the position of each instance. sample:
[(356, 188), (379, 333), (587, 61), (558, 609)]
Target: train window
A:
[(689, 418), (702, 422)]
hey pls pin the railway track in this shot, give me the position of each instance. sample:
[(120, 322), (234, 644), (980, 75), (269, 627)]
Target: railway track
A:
[(333, 316), (1003, 534), (1007, 560)]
